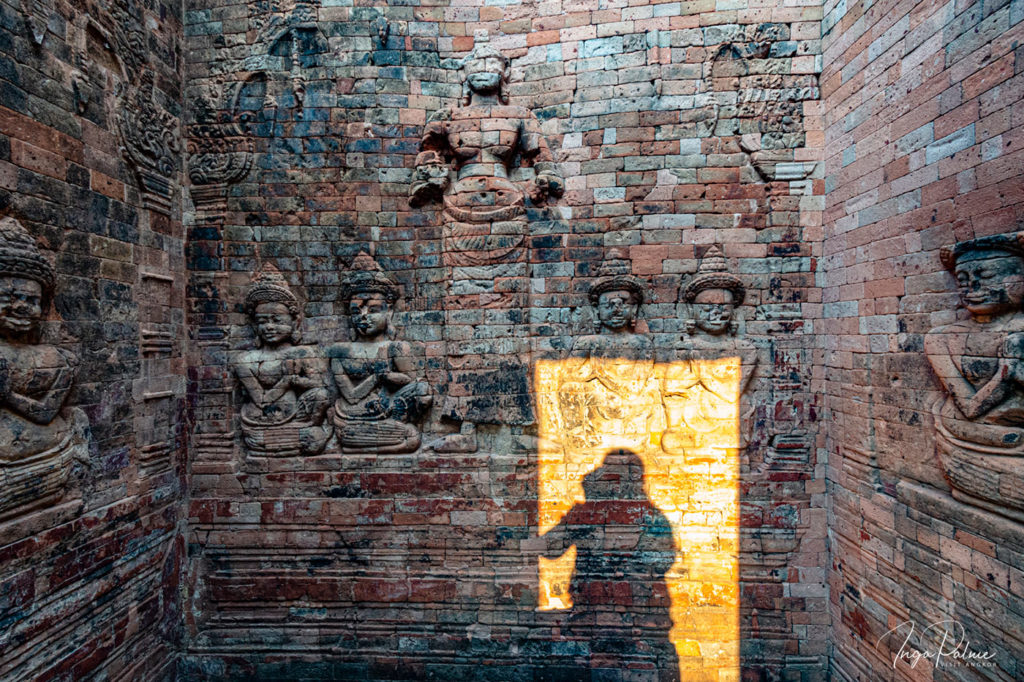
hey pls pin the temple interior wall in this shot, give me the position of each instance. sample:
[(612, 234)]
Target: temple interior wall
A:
[(89, 575), (175, 161), (921, 127)]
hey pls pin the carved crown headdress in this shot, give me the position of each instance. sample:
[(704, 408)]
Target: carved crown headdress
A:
[(366, 276), (482, 49), (1010, 242), (20, 257), (713, 273), (615, 274), (270, 286)]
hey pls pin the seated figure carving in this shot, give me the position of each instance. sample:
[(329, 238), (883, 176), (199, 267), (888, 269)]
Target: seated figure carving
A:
[(714, 366), (609, 396), (980, 362), (39, 435), (379, 400), (285, 385)]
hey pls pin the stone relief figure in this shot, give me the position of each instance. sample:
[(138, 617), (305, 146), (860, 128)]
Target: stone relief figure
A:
[(39, 435), (487, 144), (285, 385), (379, 399), (609, 396), (980, 362), (714, 366)]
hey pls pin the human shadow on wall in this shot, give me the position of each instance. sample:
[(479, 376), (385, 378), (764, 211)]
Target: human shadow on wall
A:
[(620, 614)]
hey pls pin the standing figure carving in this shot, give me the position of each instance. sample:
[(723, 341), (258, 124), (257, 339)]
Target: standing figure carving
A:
[(980, 362), (609, 396), (39, 435), (284, 384), (379, 399), (714, 366), (486, 143)]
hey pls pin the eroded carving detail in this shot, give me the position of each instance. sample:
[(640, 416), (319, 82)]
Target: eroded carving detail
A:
[(151, 143), (980, 362), (39, 436), (702, 387), (610, 396), (219, 152), (484, 208), (36, 13), (380, 401), (284, 384), (483, 236)]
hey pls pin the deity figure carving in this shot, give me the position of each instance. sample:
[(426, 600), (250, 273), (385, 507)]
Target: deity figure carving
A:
[(285, 385), (39, 435), (980, 363), (714, 366), (480, 141), (488, 145), (610, 395), (379, 400)]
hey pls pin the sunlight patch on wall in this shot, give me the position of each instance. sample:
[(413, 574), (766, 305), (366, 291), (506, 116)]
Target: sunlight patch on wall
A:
[(682, 421)]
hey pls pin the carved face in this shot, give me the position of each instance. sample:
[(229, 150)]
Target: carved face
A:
[(991, 282), (617, 309), (369, 314), (484, 74), (274, 323), (712, 310), (21, 305)]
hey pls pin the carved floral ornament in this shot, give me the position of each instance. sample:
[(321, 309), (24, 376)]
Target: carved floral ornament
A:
[(980, 364), (220, 150)]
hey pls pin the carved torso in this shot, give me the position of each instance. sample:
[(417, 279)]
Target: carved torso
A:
[(291, 368), (974, 351), (32, 370)]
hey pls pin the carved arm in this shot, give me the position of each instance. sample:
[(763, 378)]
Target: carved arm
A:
[(972, 403)]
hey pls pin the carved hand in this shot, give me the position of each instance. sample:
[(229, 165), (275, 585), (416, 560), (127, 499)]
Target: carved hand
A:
[(430, 179), (397, 378), (546, 184)]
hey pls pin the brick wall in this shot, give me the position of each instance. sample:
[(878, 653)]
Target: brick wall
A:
[(88, 584), (426, 565), (922, 121)]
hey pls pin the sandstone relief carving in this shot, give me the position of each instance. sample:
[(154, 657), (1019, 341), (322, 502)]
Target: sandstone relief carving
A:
[(610, 395), (285, 385), (488, 145), (40, 437), (380, 400), (980, 363), (714, 365)]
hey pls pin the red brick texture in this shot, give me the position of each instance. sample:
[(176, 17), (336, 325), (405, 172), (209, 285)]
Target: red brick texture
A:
[(922, 117)]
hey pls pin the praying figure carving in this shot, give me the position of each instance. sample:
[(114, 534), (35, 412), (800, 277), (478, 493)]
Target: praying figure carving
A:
[(713, 366), (980, 363), (380, 401), (610, 395), (285, 385), (40, 436)]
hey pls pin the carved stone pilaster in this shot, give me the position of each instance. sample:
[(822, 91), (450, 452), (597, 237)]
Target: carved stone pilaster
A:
[(219, 152), (150, 138)]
